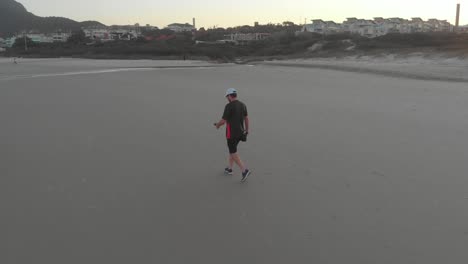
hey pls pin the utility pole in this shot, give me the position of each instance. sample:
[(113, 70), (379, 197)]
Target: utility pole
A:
[(25, 42)]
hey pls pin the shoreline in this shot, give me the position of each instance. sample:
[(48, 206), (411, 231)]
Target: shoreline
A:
[(414, 66)]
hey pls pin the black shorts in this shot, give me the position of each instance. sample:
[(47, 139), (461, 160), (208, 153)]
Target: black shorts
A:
[(232, 145)]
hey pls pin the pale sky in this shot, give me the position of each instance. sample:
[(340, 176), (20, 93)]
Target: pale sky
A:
[(241, 12)]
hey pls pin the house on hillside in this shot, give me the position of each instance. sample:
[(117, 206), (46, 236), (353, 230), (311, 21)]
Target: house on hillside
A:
[(363, 27), (417, 25), (393, 25), (322, 27), (2, 45), (9, 42), (463, 29), (42, 38), (332, 28), (39, 38), (348, 25), (317, 26), (60, 37), (177, 27), (47, 38), (439, 25), (379, 20), (123, 34), (149, 27), (98, 34), (366, 28), (379, 26), (406, 26), (243, 38)]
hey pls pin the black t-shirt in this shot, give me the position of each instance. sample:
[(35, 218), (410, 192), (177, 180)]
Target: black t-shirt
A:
[(234, 114)]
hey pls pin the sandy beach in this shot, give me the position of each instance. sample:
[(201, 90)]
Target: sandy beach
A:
[(435, 67), (119, 162)]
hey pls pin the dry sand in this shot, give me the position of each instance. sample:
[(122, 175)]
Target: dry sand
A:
[(126, 167), (412, 66)]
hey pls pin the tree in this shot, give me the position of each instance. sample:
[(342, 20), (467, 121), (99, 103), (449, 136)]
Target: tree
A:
[(288, 24), (77, 37), (166, 31), (23, 43)]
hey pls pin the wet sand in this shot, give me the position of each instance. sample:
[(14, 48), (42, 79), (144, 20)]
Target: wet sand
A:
[(126, 167)]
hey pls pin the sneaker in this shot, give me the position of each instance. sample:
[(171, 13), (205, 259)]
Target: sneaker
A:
[(228, 171), (245, 175)]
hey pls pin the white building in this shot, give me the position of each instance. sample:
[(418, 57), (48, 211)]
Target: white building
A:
[(463, 29), (9, 42), (124, 34), (350, 25), (333, 28), (247, 36), (177, 27), (317, 26), (378, 27), (322, 27), (60, 37), (2, 45), (417, 25), (98, 34), (38, 38), (439, 25), (114, 33), (363, 27), (41, 38)]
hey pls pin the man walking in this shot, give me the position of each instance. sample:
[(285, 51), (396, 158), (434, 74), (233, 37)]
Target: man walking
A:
[(234, 117)]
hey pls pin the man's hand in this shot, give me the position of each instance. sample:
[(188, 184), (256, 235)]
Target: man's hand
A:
[(220, 123), (247, 124)]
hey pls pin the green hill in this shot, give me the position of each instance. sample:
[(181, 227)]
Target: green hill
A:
[(14, 18)]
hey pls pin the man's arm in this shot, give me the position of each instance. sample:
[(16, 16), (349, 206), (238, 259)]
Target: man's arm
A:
[(226, 115), (247, 123), (220, 123)]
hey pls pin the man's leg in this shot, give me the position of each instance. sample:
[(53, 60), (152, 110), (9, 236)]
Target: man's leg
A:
[(231, 146), (231, 162), (236, 158)]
